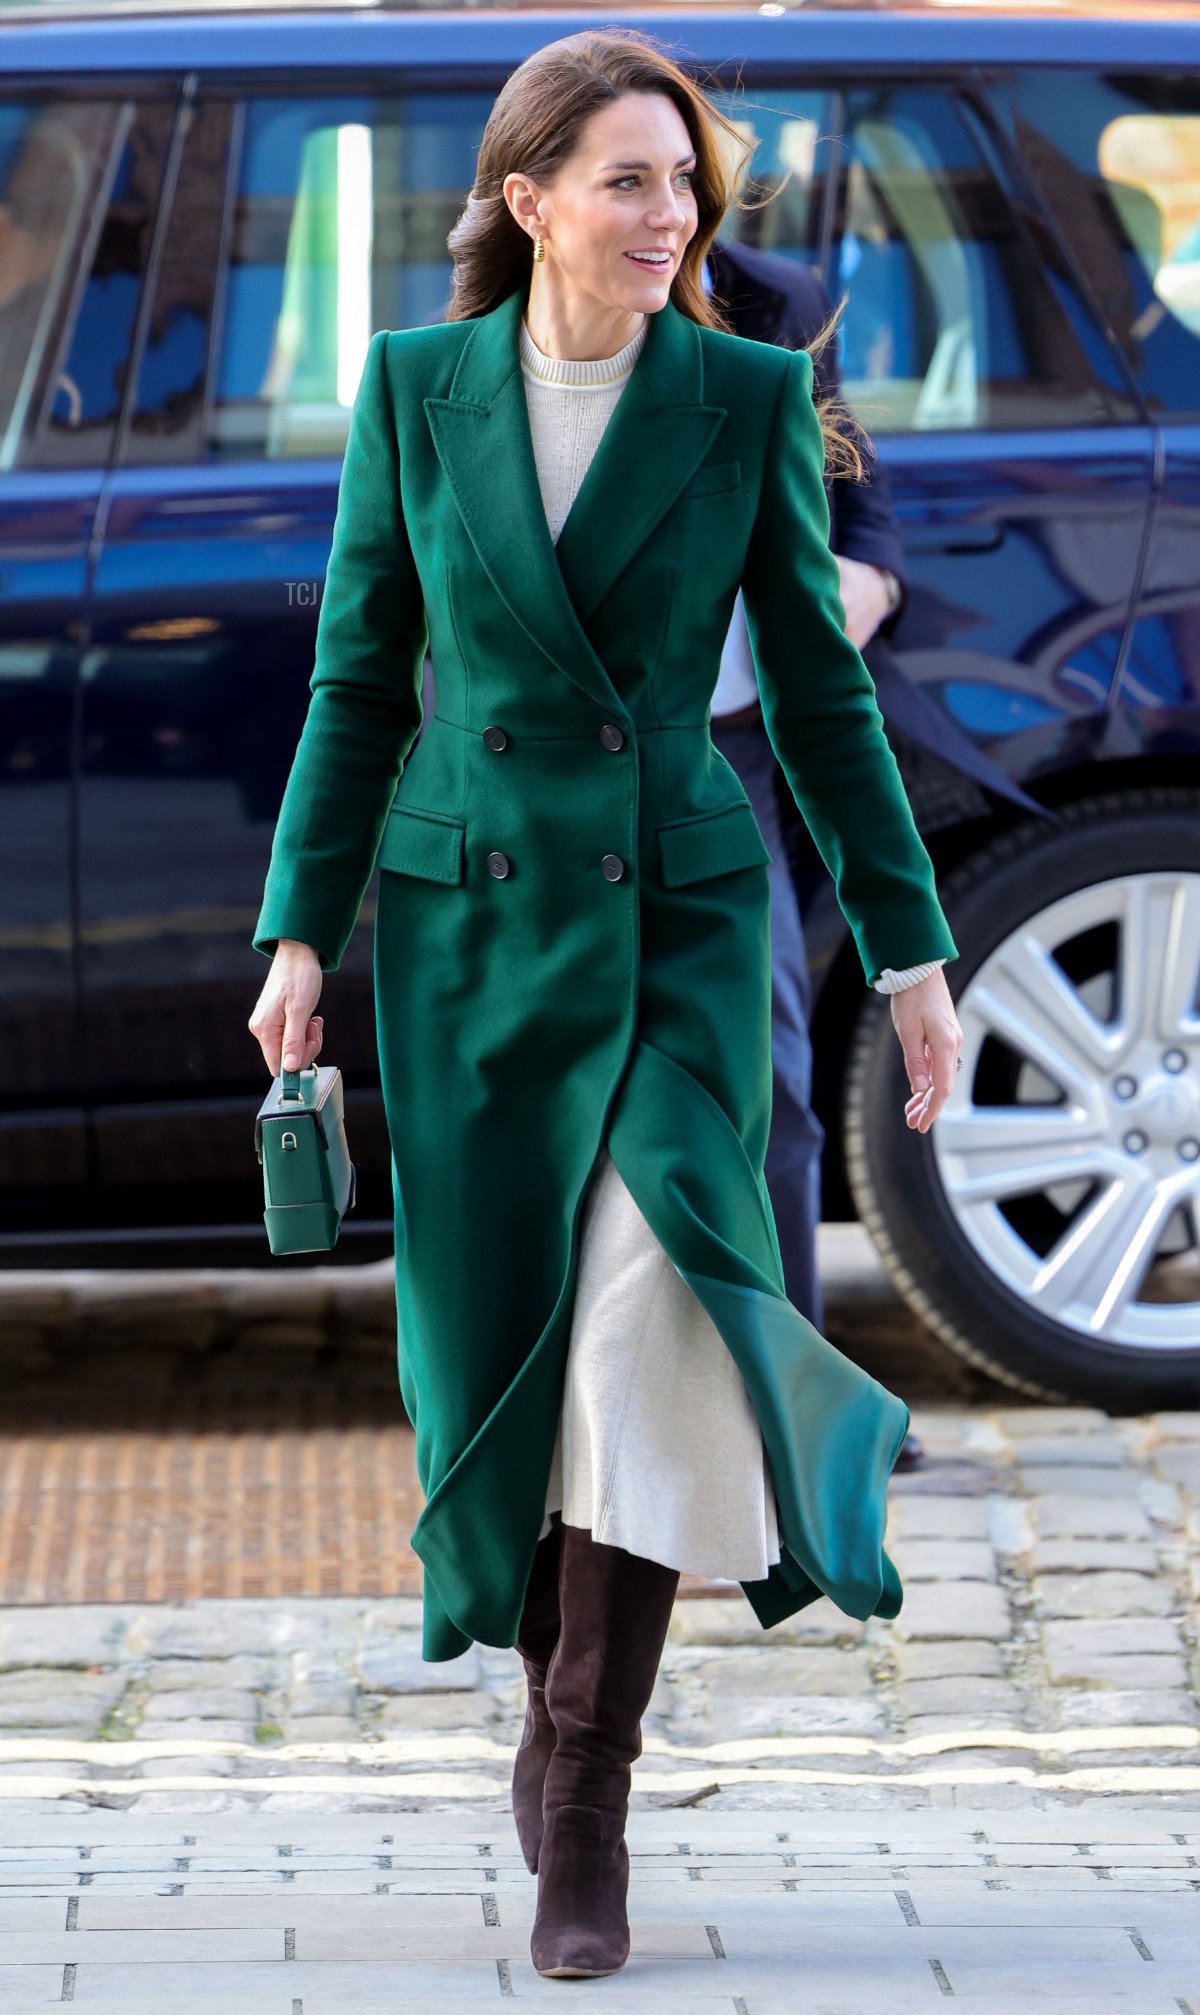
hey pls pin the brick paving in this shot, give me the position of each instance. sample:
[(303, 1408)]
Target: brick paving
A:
[(239, 1433)]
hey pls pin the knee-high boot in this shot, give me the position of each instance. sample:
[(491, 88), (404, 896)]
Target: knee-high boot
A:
[(536, 1640), (615, 1609)]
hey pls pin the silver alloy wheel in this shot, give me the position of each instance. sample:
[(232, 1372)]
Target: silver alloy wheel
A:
[(1069, 1148)]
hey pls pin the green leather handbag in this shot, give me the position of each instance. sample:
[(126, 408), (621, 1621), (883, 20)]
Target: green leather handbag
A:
[(308, 1176)]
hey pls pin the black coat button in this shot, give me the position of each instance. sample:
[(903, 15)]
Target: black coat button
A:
[(495, 738), (612, 867), (611, 736), (498, 865)]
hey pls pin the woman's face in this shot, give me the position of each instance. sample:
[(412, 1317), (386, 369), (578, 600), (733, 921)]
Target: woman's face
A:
[(625, 190)]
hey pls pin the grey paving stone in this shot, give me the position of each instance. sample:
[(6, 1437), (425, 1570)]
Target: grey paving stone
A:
[(1181, 1426), (193, 1728), (46, 1699), (333, 1696), (23, 1987), (1115, 1707), (216, 1704), (735, 1719), (1042, 1422), (1071, 1480), (321, 1728), (783, 1670), (1010, 1527), (271, 1910), (945, 1559), (31, 1913), (391, 1613), (1181, 1465), (221, 1629), (432, 1711), (185, 1675), (968, 1657), (1142, 1636), (395, 1665), (930, 1517), (75, 1636), (973, 1699), (1152, 1673), (133, 1949), (954, 1609), (1082, 1556), (1100, 1450), (1101, 1595), (722, 1620), (1107, 1517), (190, 1766)]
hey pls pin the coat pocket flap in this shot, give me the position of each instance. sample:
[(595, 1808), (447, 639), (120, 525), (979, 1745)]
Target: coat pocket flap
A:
[(713, 844), (716, 476), (424, 844)]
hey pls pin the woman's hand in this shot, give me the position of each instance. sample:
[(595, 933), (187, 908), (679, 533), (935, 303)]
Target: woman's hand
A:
[(924, 1019), (289, 1033)]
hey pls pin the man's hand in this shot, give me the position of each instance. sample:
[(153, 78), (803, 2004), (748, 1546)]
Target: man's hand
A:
[(924, 1019), (864, 598)]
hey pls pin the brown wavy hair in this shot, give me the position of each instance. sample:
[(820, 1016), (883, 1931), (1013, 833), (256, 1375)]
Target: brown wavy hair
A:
[(533, 128)]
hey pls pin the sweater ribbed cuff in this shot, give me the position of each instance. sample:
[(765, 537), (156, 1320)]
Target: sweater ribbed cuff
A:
[(894, 979)]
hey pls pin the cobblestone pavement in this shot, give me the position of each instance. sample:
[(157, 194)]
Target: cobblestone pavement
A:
[(1046, 1650), (771, 1912)]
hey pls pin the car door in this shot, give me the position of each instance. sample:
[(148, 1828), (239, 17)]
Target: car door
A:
[(1020, 460), (1117, 162), (301, 223), (79, 179)]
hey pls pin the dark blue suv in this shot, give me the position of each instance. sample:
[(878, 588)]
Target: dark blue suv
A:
[(203, 218)]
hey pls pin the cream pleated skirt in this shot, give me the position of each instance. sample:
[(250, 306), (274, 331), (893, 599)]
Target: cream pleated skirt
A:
[(659, 1450)]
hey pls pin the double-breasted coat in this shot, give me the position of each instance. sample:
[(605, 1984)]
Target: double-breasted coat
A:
[(571, 939)]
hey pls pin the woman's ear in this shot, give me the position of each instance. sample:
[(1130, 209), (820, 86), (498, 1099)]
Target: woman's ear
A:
[(522, 198)]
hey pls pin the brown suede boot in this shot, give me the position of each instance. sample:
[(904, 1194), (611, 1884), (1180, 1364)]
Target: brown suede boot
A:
[(615, 1609), (536, 1640)]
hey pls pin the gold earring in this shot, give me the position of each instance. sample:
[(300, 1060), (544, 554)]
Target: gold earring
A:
[(539, 249)]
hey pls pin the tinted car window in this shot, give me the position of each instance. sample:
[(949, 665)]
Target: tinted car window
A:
[(341, 211), (783, 182), (167, 421), (951, 321), (1117, 159), (58, 157)]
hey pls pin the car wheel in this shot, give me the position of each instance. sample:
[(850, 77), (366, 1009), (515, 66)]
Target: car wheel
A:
[(1047, 1228)]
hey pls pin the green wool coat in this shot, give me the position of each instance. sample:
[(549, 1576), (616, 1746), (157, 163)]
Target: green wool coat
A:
[(571, 937)]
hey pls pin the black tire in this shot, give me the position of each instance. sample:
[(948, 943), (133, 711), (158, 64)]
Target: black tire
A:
[(893, 1173)]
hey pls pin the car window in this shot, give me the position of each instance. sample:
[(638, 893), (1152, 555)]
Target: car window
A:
[(952, 322), (341, 210), (783, 180), (66, 301), (1117, 160), (167, 420)]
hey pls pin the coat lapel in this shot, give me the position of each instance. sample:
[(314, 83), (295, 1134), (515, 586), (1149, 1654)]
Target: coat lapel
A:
[(658, 433)]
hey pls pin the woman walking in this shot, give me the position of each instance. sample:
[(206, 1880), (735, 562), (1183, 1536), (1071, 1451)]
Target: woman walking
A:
[(560, 489)]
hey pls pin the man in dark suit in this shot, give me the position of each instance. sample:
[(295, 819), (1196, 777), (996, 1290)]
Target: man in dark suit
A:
[(777, 300)]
